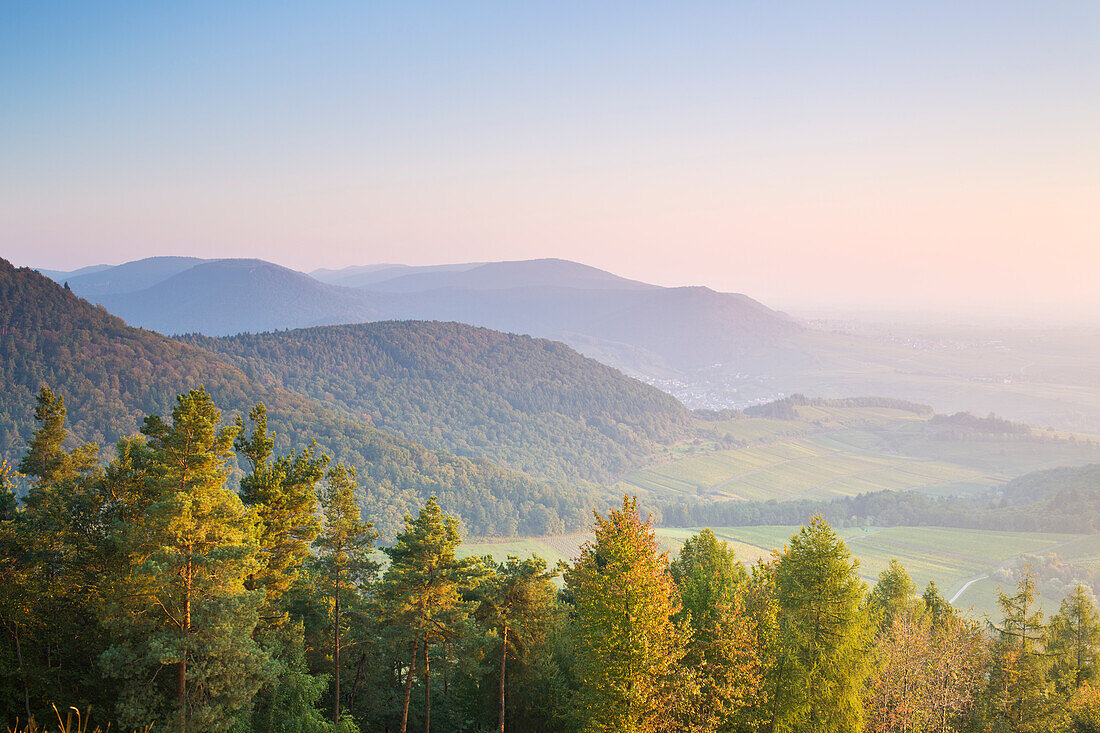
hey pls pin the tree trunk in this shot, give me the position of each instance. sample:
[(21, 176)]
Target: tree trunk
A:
[(336, 658), (181, 675), (358, 678), (503, 661), (23, 673), (409, 686), (427, 689)]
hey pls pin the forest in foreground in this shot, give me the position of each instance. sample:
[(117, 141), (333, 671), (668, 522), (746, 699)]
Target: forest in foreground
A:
[(147, 594)]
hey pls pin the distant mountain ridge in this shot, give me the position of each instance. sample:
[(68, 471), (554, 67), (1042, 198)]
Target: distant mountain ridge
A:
[(62, 276), (222, 297), (591, 309), (130, 276), (365, 275), (542, 273)]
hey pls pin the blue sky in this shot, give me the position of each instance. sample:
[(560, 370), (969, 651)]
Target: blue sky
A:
[(804, 153)]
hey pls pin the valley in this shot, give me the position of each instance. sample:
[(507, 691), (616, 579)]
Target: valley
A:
[(524, 435)]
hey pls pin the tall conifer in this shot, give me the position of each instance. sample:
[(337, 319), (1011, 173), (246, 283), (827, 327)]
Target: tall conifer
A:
[(823, 633), (283, 492), (422, 590), (1073, 642), (344, 557), (186, 606)]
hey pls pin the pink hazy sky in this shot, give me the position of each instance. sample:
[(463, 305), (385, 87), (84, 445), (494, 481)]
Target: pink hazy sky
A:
[(853, 155)]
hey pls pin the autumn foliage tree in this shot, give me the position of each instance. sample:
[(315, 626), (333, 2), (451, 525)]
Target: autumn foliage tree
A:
[(928, 674), (629, 647)]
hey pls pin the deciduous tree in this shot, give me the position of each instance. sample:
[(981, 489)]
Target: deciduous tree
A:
[(628, 646)]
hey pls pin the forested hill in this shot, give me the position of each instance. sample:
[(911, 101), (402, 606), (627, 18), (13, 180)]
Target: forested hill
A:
[(531, 404), (112, 375)]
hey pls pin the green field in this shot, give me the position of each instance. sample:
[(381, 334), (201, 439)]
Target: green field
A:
[(552, 549), (951, 557), (830, 452), (822, 466)]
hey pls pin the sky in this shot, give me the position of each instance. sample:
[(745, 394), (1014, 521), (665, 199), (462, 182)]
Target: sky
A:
[(933, 156)]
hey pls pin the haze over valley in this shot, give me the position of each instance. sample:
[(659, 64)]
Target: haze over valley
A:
[(709, 349)]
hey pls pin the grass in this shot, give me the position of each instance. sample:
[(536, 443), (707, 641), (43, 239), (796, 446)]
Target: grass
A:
[(552, 549), (70, 723)]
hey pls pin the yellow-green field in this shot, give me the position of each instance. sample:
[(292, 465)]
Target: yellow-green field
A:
[(951, 557), (818, 467), (830, 452)]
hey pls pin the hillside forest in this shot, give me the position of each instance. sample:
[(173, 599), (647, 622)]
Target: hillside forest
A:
[(147, 594)]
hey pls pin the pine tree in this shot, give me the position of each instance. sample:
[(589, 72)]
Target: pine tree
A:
[(17, 612), (517, 599), (47, 462), (57, 533), (9, 479), (1073, 642), (344, 550), (722, 651), (1016, 695), (284, 496), (628, 647), (823, 635), (185, 605), (421, 590), (893, 594)]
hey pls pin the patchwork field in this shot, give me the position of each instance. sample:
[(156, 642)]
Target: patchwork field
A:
[(828, 452), (822, 466)]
